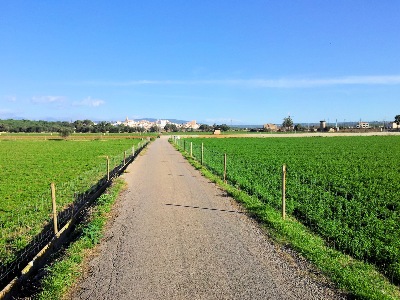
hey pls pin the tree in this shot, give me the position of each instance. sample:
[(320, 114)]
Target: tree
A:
[(154, 128), (78, 125), (88, 122), (206, 128), (4, 127), (224, 127), (136, 129), (65, 132), (102, 127), (171, 127), (287, 123), (87, 125), (299, 127), (397, 119), (118, 129)]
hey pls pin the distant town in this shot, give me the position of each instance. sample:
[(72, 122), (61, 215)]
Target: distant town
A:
[(161, 124)]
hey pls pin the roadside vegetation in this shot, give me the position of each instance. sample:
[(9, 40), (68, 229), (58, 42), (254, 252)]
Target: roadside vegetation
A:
[(65, 271)]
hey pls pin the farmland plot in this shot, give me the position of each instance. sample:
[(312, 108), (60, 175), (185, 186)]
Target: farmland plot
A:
[(28, 168), (346, 189)]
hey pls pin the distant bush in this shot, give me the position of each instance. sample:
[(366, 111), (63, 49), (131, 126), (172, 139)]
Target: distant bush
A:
[(65, 132)]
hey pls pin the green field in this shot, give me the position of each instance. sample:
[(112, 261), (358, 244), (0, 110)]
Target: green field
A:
[(346, 189), (27, 169)]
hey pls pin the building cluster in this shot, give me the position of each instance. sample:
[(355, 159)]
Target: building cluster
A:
[(145, 124), (323, 126)]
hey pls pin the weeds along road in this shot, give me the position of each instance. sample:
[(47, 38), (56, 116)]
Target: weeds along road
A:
[(177, 236)]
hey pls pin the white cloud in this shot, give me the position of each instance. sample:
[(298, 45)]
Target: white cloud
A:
[(10, 98), (138, 82), (89, 102), (310, 82), (264, 83), (47, 99)]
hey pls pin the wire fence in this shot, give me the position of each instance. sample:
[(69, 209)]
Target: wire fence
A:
[(23, 235), (336, 207), (239, 171)]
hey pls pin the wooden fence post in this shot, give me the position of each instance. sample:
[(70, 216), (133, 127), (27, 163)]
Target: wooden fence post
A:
[(191, 149), (202, 153), (53, 200), (108, 168), (224, 167), (133, 150), (284, 192)]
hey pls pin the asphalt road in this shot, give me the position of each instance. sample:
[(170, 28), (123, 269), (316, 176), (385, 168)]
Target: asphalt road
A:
[(175, 235)]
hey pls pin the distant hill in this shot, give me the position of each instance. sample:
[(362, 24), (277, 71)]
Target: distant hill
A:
[(154, 120)]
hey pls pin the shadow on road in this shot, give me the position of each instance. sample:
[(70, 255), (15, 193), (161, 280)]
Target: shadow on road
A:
[(205, 208)]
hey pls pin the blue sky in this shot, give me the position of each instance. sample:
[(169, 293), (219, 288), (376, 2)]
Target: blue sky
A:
[(239, 62)]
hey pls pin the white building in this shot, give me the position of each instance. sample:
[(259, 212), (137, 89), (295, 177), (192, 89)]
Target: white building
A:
[(159, 123), (362, 125), (191, 125), (162, 123)]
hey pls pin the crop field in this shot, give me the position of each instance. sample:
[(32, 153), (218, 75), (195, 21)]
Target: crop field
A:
[(27, 169), (346, 189)]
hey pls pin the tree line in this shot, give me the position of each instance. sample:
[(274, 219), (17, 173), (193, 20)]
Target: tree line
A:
[(87, 126), (80, 126)]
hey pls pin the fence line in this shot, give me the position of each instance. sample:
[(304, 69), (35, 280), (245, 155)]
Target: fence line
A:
[(72, 196), (221, 165), (328, 209), (274, 182)]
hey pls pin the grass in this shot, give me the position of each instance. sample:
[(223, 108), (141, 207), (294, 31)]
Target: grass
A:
[(342, 188), (62, 274), (361, 280), (29, 166)]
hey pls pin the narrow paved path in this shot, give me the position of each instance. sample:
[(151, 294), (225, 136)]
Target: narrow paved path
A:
[(177, 236)]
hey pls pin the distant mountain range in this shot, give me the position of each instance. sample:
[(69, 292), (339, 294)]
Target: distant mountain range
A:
[(176, 121)]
